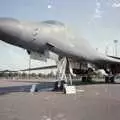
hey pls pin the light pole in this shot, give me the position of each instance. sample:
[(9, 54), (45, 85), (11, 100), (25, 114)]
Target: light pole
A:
[(29, 66), (106, 50), (115, 43)]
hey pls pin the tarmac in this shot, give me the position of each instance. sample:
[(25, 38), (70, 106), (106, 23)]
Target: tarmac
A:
[(92, 102)]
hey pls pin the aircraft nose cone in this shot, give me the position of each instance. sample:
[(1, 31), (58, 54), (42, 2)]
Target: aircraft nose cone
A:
[(9, 30), (2, 24), (10, 26), (7, 24)]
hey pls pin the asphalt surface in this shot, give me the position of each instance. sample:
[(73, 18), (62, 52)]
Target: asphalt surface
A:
[(92, 102)]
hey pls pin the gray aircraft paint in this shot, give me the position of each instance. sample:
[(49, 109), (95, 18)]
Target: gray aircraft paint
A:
[(49, 35)]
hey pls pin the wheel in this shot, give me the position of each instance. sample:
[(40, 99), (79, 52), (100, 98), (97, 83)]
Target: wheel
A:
[(56, 88), (62, 85), (106, 79), (112, 79)]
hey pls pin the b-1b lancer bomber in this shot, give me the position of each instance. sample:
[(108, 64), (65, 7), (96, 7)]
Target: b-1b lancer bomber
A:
[(51, 39)]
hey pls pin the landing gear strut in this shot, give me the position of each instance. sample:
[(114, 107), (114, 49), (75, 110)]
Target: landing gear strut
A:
[(63, 74)]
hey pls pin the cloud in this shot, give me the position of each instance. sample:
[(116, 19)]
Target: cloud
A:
[(49, 6), (98, 12), (50, 2), (116, 5), (99, 8)]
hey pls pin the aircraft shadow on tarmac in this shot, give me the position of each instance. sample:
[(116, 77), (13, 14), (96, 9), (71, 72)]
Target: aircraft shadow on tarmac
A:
[(41, 86), (77, 83), (44, 86)]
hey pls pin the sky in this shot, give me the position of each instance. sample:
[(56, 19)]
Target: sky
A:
[(98, 21)]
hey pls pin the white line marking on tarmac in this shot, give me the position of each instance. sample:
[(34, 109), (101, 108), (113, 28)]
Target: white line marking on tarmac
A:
[(97, 93), (80, 90)]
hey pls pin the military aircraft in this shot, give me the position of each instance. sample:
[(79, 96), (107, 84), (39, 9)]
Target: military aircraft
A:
[(51, 39)]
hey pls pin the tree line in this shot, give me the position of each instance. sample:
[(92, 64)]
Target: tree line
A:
[(24, 75)]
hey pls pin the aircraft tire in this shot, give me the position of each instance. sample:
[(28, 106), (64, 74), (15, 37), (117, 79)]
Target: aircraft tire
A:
[(112, 79), (106, 79), (56, 88)]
